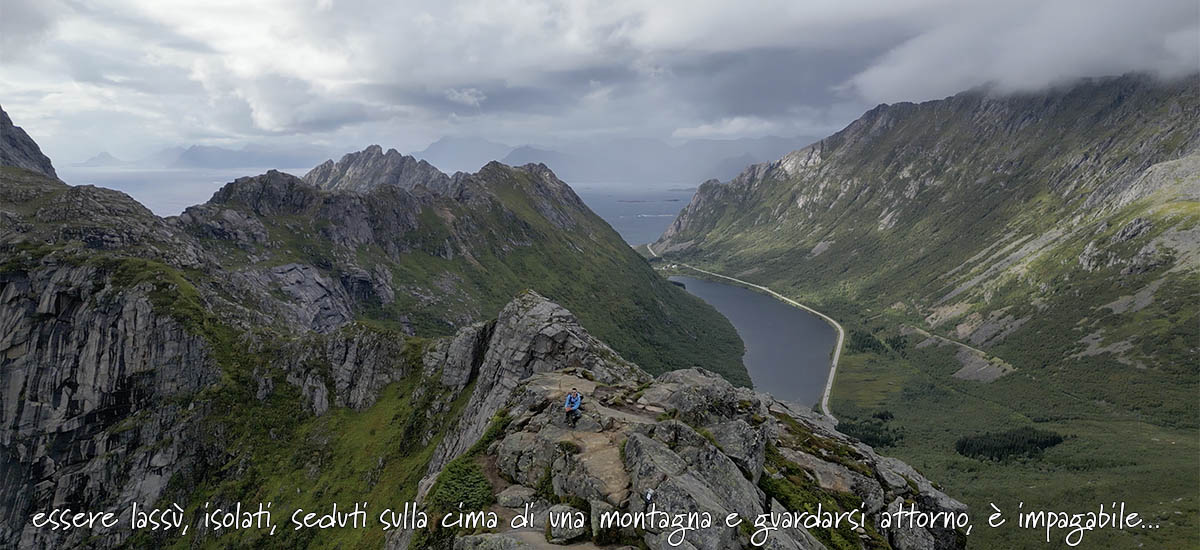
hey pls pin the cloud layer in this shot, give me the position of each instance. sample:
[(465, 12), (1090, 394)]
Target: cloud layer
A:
[(143, 74)]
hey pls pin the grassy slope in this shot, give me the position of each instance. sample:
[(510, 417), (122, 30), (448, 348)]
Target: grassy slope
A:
[(272, 450), (1134, 429), (587, 269)]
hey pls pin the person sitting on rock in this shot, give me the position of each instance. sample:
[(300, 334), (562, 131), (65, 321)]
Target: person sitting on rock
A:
[(571, 407)]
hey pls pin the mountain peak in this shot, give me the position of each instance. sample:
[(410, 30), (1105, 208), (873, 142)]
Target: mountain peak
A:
[(462, 153), (18, 149), (372, 167), (103, 158)]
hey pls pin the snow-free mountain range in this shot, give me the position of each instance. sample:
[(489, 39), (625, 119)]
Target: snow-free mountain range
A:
[(622, 160), (1012, 269), (319, 340)]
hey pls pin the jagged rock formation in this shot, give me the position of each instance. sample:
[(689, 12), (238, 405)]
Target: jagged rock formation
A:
[(688, 437), (372, 167), (18, 149), (531, 336), (281, 342)]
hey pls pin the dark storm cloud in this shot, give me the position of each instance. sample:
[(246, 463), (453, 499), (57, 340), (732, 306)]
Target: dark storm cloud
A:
[(765, 82), (23, 26), (355, 71), (550, 93), (473, 98)]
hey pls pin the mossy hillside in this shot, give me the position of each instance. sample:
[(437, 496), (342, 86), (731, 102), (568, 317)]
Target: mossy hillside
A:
[(272, 450), (980, 199), (461, 481), (1109, 450), (513, 246), (795, 489)]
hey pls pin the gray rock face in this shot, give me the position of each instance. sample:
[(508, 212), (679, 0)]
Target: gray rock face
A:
[(19, 150), (565, 525), (489, 542), (224, 224), (372, 167), (270, 194), (531, 335), (80, 353), (320, 303), (694, 443), (516, 496)]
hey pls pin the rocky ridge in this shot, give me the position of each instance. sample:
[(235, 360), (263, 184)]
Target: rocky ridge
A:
[(999, 260), (18, 149), (373, 167), (688, 437), (957, 210)]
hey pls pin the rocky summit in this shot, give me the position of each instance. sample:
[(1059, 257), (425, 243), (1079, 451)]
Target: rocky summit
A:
[(688, 438), (372, 167)]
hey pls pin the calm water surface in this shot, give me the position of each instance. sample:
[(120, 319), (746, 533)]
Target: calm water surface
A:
[(639, 213), (788, 350), (165, 191)]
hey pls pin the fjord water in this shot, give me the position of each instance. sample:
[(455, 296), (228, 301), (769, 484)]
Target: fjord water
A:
[(639, 213), (788, 350)]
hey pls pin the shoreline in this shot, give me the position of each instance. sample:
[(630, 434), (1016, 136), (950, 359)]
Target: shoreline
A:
[(841, 333)]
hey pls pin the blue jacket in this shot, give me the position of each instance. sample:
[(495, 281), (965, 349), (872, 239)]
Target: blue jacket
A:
[(573, 403)]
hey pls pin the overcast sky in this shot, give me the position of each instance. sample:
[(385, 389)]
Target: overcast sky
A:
[(134, 76)]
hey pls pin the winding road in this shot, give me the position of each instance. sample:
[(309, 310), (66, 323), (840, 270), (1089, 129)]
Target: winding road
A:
[(837, 349)]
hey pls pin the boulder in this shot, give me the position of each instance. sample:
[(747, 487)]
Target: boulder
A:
[(565, 524), (489, 542), (516, 496)]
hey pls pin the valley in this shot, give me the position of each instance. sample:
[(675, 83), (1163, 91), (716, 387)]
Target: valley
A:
[(999, 262), (471, 275)]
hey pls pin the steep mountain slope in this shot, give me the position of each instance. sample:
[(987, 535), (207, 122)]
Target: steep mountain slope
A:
[(459, 248), (18, 149), (1013, 259)]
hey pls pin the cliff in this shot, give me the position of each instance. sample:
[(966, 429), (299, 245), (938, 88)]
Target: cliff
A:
[(19, 150)]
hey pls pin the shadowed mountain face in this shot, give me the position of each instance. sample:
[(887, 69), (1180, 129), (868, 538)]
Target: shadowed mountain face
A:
[(288, 343), (463, 154), (18, 149), (1054, 236)]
